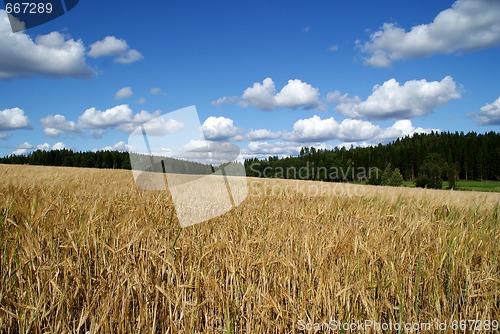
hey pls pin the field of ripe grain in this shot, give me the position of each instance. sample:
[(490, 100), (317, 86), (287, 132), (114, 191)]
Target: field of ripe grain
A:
[(84, 250)]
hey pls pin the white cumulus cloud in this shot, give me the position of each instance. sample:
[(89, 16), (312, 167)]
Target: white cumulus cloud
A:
[(58, 146), (263, 149), (119, 117), (220, 128), (122, 118), (399, 129), (115, 116), (489, 114), (124, 93), (153, 124), (357, 130), (226, 100), (315, 129), (120, 146), (393, 100), (207, 152), (262, 134), (43, 147), (131, 56), (55, 125), (50, 55), (118, 48), (23, 149), (109, 46), (157, 91), (294, 95), (20, 151), (26, 147), (468, 25), (12, 119)]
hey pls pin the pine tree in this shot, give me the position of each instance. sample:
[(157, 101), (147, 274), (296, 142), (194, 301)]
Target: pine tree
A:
[(386, 175), (396, 178)]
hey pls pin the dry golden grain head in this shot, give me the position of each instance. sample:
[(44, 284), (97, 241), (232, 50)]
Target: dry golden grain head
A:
[(85, 250)]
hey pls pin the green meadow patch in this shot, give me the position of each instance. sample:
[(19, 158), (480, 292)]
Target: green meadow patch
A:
[(468, 185)]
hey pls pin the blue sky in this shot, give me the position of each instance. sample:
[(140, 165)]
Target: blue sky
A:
[(268, 76)]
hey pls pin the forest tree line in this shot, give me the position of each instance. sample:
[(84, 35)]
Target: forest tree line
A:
[(470, 156), (106, 159)]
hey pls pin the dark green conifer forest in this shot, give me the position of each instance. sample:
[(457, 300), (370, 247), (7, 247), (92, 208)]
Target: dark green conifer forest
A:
[(427, 159)]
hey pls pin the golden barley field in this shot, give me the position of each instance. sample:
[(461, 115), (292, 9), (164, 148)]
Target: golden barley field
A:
[(86, 251)]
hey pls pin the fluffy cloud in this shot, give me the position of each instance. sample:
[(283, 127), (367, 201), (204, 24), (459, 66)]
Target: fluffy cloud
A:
[(263, 149), (157, 91), (120, 117), (26, 147), (490, 113), (20, 151), (12, 119), (43, 147), (123, 93), (315, 129), (23, 149), (262, 134), (55, 125), (261, 95), (294, 95), (118, 48), (468, 25), (129, 57), (392, 100), (112, 117), (208, 152), (357, 130), (109, 46), (58, 146), (220, 128), (51, 54), (120, 146), (400, 129), (226, 100), (153, 124)]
